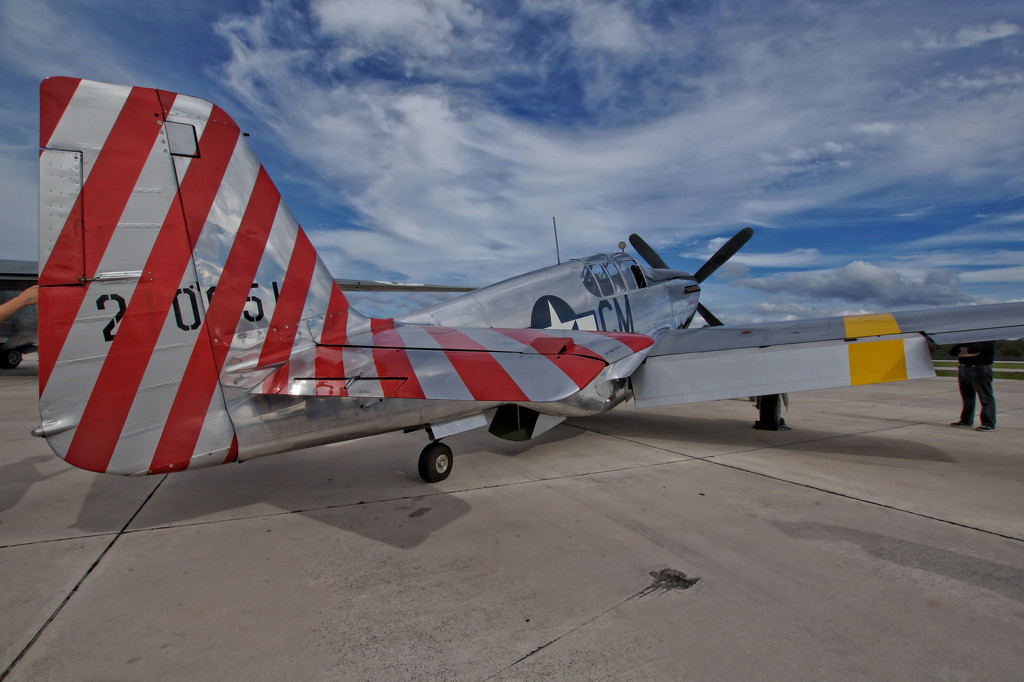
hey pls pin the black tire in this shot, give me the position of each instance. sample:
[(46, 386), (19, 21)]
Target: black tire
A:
[(769, 413), (435, 462), (10, 358)]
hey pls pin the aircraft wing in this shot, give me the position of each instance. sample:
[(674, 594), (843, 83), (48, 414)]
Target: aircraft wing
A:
[(402, 287), (446, 363), (693, 365)]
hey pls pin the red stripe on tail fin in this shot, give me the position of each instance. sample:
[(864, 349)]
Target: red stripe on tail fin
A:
[(132, 348), (335, 332), (54, 96), (104, 197), (185, 421), (284, 323)]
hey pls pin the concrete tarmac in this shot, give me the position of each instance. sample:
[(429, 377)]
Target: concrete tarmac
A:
[(872, 541)]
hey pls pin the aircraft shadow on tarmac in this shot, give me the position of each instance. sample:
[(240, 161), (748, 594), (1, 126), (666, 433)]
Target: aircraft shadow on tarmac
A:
[(17, 478), (733, 434), (1001, 578), (370, 486), (358, 486)]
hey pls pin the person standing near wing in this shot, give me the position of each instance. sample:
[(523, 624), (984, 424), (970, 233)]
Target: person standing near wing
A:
[(975, 379)]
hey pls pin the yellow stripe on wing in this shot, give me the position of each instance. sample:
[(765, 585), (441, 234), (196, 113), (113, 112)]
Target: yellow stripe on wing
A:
[(874, 324), (875, 362)]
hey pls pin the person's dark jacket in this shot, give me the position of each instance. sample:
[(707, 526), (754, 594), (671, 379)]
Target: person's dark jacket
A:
[(986, 351)]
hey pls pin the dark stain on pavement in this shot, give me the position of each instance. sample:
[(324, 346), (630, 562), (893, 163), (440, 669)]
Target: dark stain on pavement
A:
[(668, 579), (1003, 579)]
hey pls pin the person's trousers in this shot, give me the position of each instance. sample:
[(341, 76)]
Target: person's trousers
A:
[(977, 381)]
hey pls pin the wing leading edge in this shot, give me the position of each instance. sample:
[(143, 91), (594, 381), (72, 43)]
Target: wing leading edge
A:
[(693, 365)]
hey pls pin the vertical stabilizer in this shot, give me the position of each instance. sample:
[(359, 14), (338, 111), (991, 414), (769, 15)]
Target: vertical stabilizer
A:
[(166, 257)]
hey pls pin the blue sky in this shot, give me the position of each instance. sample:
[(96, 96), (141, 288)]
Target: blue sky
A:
[(877, 148)]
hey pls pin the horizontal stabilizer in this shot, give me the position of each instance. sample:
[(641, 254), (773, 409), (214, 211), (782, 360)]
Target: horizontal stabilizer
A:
[(445, 363)]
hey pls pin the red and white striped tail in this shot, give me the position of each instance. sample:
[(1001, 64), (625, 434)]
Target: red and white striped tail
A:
[(165, 254)]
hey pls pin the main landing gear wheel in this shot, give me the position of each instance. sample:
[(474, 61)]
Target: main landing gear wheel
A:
[(9, 359), (769, 411), (435, 462)]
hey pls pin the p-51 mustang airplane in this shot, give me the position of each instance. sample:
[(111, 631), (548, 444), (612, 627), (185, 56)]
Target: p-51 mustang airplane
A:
[(186, 319)]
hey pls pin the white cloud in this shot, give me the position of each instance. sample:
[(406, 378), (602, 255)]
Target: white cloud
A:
[(600, 26), (788, 259), (981, 81), (393, 304), (1000, 231), (42, 40), (863, 282), (795, 258), (422, 27), (971, 36), (766, 134), (875, 128), (963, 260), (774, 310), (447, 133), (1001, 275)]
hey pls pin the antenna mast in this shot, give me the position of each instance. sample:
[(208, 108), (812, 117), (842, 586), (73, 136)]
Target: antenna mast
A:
[(558, 254)]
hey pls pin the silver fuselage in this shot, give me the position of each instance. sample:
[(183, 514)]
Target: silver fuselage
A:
[(605, 292)]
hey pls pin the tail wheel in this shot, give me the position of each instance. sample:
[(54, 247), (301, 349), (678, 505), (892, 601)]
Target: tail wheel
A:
[(9, 359), (435, 462)]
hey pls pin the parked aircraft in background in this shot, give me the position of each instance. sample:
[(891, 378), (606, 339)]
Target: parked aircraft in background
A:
[(18, 333), (187, 321)]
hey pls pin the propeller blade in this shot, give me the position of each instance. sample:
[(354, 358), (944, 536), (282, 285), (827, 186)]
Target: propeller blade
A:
[(727, 251), (708, 316), (647, 253)]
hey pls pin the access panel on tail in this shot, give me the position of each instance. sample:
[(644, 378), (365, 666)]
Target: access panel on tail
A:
[(163, 242)]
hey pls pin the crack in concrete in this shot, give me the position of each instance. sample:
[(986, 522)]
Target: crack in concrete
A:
[(713, 460), (665, 579), (81, 581)]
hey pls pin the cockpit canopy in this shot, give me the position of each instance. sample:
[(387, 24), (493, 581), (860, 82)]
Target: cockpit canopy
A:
[(611, 274)]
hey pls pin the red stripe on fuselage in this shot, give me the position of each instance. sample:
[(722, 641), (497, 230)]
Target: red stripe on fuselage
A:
[(480, 372), (578, 364), (394, 363), (185, 421), (104, 197), (277, 382), (378, 324), (233, 452), (132, 348), (635, 342), (328, 361)]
